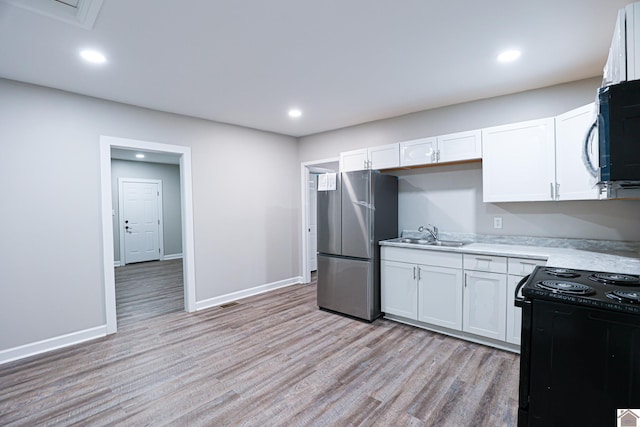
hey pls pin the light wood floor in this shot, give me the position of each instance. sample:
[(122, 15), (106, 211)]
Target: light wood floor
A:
[(272, 359)]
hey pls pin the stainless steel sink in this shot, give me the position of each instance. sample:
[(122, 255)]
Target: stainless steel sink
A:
[(446, 243), (427, 242), (414, 241)]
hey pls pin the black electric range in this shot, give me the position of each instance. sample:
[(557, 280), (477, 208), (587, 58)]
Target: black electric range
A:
[(580, 350)]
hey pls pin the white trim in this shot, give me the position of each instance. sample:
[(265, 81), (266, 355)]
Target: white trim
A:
[(305, 273), (212, 302), (172, 256), (51, 344), (106, 143), (116, 263), (121, 181)]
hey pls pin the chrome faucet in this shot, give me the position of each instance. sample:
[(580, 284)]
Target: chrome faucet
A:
[(433, 230)]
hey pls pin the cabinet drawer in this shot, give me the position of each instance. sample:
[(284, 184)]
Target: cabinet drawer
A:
[(523, 266), (421, 256), (492, 264)]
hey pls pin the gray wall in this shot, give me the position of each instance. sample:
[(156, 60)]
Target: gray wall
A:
[(451, 196), (171, 215), (245, 202)]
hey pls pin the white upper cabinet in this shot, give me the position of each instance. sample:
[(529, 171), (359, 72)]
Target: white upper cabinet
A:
[(380, 157), (354, 160), (384, 156), (418, 152), (459, 146), (573, 180), (623, 62), (441, 149), (518, 161)]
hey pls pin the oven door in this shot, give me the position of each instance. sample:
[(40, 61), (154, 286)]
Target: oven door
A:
[(525, 354)]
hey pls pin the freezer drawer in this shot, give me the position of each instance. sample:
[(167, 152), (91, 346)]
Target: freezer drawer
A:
[(347, 286)]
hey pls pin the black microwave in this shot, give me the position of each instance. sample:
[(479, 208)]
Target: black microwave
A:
[(619, 133)]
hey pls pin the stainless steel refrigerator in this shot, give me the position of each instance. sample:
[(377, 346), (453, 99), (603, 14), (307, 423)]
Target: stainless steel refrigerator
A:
[(352, 219)]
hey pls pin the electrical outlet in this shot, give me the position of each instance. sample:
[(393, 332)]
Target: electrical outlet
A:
[(497, 222)]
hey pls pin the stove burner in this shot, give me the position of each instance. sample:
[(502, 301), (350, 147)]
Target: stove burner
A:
[(561, 272), (631, 297), (615, 279), (564, 287)]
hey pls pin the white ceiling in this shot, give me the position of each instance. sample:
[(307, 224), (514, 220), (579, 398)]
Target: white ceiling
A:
[(342, 62)]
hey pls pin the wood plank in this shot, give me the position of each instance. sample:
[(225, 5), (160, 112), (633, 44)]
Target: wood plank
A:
[(271, 359)]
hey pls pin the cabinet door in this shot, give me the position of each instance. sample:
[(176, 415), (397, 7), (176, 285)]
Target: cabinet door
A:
[(518, 162), (399, 291), (514, 314), (485, 304), (354, 160), (460, 146), (384, 156), (440, 296), (574, 182), (418, 152)]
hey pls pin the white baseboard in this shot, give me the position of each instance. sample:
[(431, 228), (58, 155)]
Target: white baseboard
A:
[(51, 344), (223, 299)]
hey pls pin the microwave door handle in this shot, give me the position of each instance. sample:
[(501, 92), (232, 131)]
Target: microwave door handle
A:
[(586, 159)]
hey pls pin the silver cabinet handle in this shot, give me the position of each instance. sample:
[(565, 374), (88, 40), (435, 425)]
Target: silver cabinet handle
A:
[(414, 272), (484, 259), (418, 273), (465, 280), (557, 191), (551, 190)]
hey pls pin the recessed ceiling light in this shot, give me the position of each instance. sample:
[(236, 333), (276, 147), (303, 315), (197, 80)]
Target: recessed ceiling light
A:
[(140, 156), (509, 55), (93, 56), (295, 113)]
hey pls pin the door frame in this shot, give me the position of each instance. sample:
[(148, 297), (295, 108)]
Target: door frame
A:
[(305, 273), (186, 200), (121, 181)]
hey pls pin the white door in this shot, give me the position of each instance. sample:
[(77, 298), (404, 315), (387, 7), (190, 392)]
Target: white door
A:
[(355, 160), (485, 304), (418, 152), (399, 289), (574, 182), (440, 296), (140, 221), (460, 146), (313, 221), (518, 162), (384, 156)]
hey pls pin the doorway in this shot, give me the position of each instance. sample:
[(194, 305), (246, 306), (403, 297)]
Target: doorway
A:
[(107, 143), (308, 236)]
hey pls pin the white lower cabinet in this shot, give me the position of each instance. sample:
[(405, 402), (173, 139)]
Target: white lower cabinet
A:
[(485, 304), (469, 296), (399, 295), (440, 296)]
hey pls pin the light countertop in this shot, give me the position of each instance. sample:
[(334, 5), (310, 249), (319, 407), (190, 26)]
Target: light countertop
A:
[(578, 259)]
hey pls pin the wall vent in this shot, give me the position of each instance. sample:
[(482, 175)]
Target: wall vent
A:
[(82, 13)]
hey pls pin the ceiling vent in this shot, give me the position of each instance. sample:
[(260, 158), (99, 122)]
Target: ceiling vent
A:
[(82, 13)]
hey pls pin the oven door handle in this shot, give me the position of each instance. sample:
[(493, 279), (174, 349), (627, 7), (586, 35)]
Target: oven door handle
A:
[(519, 301)]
